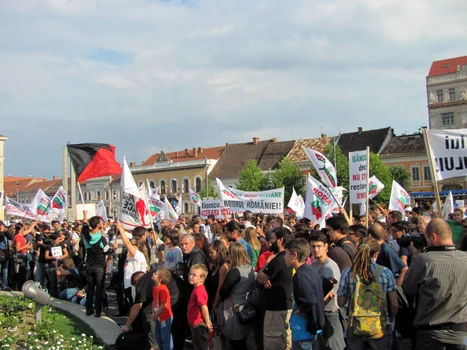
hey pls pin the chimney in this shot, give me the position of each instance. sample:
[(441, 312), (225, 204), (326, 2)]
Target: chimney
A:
[(200, 149), (176, 154), (195, 152), (323, 136), (226, 144), (186, 152), (132, 164), (55, 178), (273, 140), (360, 129), (255, 140)]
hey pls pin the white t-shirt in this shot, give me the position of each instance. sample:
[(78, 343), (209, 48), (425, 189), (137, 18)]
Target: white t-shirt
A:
[(132, 265), (172, 257)]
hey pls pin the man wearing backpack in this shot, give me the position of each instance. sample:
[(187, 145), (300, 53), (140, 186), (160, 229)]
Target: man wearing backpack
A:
[(344, 250), (373, 306), (436, 279)]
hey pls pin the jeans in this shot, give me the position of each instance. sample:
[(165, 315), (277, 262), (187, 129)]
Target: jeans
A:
[(357, 343), (200, 337), (39, 274), (163, 333), (5, 272), (303, 344), (51, 272), (68, 294), (95, 279), (427, 340)]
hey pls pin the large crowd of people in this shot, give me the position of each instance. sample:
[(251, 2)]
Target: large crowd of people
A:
[(258, 281)]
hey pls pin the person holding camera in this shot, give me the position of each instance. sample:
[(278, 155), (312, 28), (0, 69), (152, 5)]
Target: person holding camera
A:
[(436, 279), (98, 259), (54, 253)]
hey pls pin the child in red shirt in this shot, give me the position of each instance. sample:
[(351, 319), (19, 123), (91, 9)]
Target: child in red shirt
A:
[(162, 310), (198, 314)]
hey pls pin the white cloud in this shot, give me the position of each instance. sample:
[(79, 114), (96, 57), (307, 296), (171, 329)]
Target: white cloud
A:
[(208, 72)]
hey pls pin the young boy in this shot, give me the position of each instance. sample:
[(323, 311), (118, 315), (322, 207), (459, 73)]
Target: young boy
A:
[(198, 314), (162, 311)]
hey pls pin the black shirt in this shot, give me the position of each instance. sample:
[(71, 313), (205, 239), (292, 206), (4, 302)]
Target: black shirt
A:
[(279, 296), (94, 247)]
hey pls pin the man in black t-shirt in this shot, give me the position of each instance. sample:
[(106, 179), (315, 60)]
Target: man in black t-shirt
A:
[(142, 321), (276, 277)]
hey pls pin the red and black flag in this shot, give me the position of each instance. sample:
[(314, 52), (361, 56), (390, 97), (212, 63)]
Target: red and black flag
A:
[(91, 160)]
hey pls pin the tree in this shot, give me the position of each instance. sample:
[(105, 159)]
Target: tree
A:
[(401, 175), (381, 171), (342, 169), (211, 190), (288, 175), (251, 178)]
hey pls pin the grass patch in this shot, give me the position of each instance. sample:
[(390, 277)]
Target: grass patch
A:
[(58, 329)]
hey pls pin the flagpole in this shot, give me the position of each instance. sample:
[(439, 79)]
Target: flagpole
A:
[(367, 183), (81, 194), (433, 172)]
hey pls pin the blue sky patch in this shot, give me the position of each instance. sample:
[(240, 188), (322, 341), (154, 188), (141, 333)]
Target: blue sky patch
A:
[(110, 56)]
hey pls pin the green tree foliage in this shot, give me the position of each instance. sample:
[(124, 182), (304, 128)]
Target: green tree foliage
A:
[(381, 171), (342, 169), (251, 177), (401, 175), (288, 175), (211, 190)]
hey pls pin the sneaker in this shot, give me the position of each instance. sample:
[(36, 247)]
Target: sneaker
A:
[(6, 289), (99, 314)]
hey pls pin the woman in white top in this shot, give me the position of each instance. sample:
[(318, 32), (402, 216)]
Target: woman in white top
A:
[(137, 257)]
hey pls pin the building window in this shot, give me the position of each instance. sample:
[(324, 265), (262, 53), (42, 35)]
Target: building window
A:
[(440, 95), (447, 118), (163, 187), (173, 186), (152, 184), (106, 195), (452, 94), (140, 183), (98, 195), (198, 184), (186, 185), (114, 195), (416, 174), (186, 208), (426, 173)]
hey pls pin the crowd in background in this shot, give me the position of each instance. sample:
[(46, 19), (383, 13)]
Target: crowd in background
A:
[(295, 281)]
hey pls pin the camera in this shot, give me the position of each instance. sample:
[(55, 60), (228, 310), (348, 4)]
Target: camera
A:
[(419, 241)]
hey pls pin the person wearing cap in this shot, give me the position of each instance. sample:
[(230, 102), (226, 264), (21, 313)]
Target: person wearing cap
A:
[(408, 213), (5, 255)]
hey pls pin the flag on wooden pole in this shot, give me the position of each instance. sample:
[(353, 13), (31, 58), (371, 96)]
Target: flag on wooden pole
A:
[(319, 201), (399, 198), (323, 167)]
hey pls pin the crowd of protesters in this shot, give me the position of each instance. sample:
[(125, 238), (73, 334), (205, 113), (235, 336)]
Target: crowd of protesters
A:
[(259, 281)]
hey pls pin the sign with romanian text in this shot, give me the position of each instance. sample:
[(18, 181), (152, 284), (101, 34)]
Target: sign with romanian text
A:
[(267, 202), (357, 176), (449, 150)]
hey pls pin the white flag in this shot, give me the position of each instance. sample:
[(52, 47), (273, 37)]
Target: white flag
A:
[(194, 198), (374, 187), (448, 206), (59, 204), (323, 167), (171, 214), (297, 204), (399, 198), (135, 209), (127, 182), (100, 210), (178, 207), (319, 201), (41, 205)]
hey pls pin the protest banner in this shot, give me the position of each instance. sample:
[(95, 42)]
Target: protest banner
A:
[(267, 202), (214, 207), (449, 152), (358, 176), (14, 208)]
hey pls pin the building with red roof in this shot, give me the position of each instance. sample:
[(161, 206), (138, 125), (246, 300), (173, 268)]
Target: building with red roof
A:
[(446, 85)]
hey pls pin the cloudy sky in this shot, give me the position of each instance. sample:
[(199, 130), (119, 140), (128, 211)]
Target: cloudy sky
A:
[(147, 75)]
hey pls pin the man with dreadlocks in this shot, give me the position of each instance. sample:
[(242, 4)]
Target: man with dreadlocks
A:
[(378, 284)]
